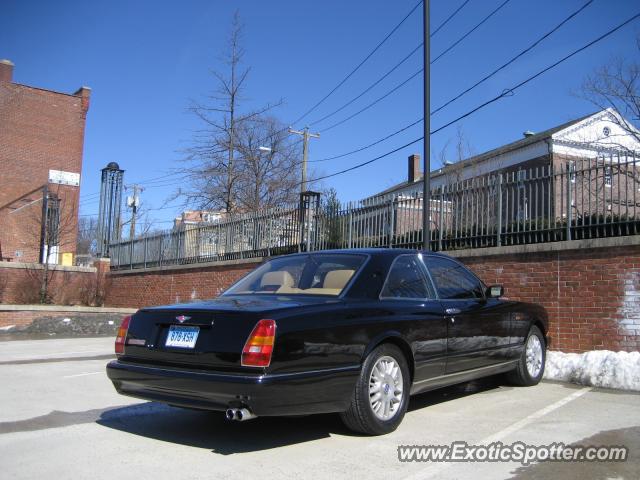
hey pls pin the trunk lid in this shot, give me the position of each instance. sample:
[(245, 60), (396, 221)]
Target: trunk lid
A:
[(205, 335)]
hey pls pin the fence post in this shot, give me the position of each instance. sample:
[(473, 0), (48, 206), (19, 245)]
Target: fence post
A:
[(145, 251), (310, 219), (499, 216), (178, 242), (569, 212), (391, 221), (350, 218), (270, 219), (440, 221)]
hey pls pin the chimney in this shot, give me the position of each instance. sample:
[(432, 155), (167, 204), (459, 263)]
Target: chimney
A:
[(6, 71), (85, 94), (414, 168)]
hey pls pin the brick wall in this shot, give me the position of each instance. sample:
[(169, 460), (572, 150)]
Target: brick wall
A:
[(20, 283), (592, 294), (41, 130), (172, 285)]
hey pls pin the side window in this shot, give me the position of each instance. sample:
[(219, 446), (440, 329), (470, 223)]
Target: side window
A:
[(452, 280), (407, 279)]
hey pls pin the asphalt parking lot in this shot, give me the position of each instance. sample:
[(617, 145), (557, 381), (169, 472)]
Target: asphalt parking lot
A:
[(60, 418)]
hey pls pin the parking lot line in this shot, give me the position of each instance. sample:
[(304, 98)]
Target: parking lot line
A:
[(83, 374), (519, 425), (431, 472)]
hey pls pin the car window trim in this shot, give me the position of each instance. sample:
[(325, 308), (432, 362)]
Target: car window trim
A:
[(412, 299), (345, 289), (354, 277), (483, 289)]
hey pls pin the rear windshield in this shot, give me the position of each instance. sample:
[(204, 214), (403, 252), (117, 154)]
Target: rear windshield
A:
[(314, 274)]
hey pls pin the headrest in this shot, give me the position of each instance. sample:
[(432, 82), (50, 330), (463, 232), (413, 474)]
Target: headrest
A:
[(337, 278), (280, 277)]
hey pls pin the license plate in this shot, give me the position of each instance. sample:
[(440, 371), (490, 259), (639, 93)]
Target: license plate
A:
[(182, 337)]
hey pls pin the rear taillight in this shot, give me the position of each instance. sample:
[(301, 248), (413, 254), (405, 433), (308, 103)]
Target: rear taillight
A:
[(122, 335), (259, 347)]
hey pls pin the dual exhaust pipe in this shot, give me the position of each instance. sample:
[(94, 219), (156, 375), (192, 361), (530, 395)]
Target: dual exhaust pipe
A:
[(239, 414)]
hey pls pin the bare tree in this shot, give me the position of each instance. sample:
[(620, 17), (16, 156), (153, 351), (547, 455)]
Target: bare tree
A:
[(87, 235), (267, 174), (213, 171), (55, 224), (617, 85), (452, 161)]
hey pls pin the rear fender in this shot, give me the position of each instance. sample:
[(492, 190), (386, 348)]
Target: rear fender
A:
[(395, 338)]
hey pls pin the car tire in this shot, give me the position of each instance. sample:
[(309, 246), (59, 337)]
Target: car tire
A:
[(381, 411), (530, 368)]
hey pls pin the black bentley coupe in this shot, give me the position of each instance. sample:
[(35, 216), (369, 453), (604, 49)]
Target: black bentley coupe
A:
[(350, 331)]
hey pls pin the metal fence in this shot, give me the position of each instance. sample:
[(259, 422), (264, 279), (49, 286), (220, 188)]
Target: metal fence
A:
[(578, 199)]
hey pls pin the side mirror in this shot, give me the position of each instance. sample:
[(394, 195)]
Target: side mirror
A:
[(495, 291)]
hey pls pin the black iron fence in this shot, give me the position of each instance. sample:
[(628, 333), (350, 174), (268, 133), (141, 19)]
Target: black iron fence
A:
[(579, 199)]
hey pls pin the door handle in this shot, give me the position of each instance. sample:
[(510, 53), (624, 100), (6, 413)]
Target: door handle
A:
[(452, 311)]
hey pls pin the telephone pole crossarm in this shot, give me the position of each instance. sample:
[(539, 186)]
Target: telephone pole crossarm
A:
[(306, 135)]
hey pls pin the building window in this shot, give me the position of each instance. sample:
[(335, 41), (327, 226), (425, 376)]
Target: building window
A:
[(522, 176), (607, 177)]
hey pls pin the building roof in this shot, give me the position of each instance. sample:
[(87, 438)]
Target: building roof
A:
[(523, 142)]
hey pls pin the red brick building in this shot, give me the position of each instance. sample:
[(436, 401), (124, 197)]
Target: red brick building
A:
[(41, 143)]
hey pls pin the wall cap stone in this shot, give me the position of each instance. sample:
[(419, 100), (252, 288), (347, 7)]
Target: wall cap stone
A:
[(64, 308), (38, 266), (190, 266), (567, 245)]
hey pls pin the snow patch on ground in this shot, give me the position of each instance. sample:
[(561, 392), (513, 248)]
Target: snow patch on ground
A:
[(599, 368)]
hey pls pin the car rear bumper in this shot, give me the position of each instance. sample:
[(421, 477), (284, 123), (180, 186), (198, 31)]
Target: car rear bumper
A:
[(318, 391)]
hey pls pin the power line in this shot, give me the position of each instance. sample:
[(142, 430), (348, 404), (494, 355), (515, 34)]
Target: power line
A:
[(448, 18), (505, 65), (505, 93), (370, 145), (509, 91), (394, 89), (367, 162), (405, 81), (454, 44), (89, 196), (394, 68), (360, 64)]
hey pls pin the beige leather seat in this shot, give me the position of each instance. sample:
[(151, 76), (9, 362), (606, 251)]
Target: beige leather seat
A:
[(337, 279), (280, 278)]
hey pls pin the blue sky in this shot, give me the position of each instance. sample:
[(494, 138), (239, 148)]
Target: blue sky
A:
[(145, 61)]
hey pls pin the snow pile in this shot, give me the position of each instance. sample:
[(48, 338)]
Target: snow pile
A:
[(599, 368)]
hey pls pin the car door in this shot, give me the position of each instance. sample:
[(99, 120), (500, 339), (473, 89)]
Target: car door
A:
[(408, 292), (478, 328)]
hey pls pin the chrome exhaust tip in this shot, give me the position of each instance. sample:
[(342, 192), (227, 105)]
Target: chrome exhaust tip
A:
[(244, 414), (231, 414)]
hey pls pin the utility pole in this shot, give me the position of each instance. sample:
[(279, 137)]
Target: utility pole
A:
[(305, 152), (426, 176), (134, 202)]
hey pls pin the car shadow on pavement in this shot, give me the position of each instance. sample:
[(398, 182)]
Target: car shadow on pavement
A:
[(212, 431)]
